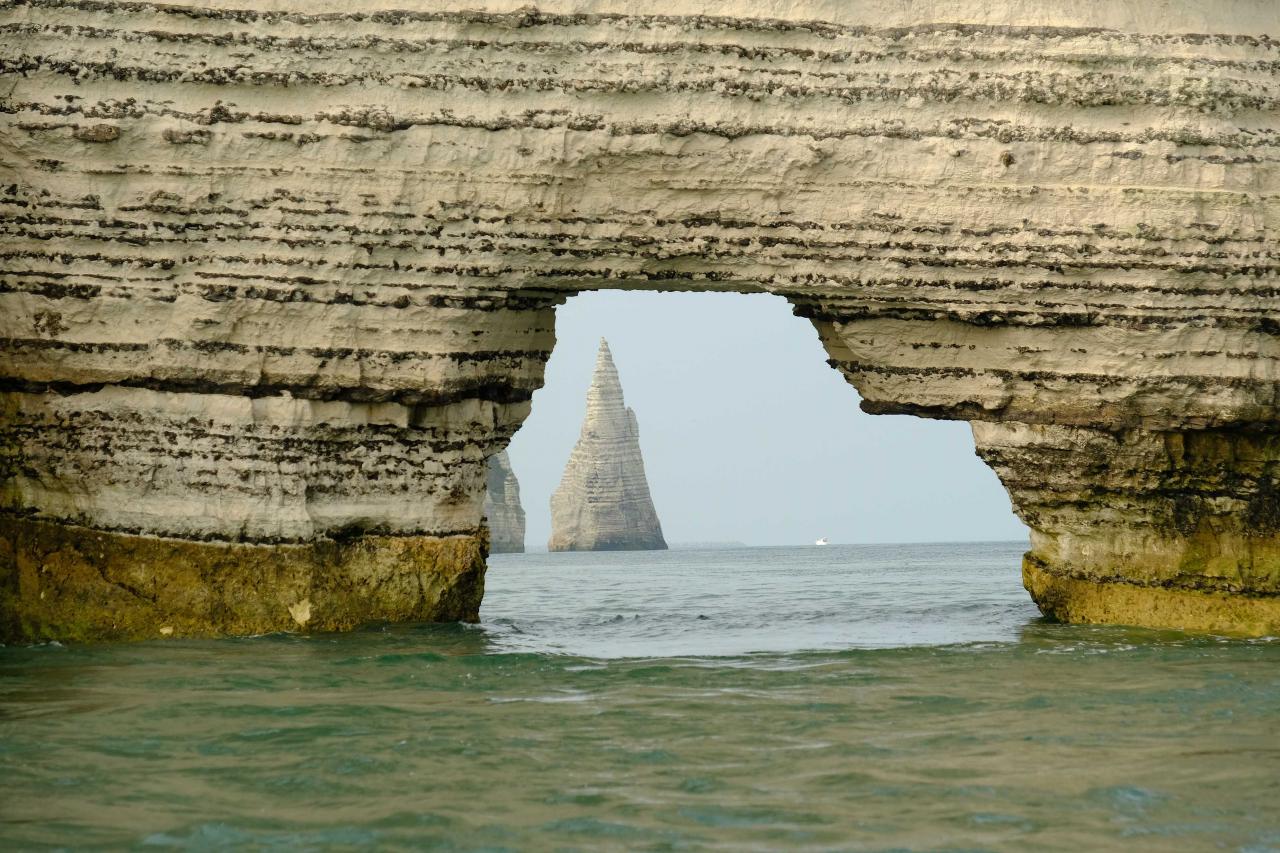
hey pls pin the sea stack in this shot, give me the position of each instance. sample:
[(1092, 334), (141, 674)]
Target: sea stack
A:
[(502, 507), (603, 501)]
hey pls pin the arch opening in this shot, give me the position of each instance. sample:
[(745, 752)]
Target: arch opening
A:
[(748, 437)]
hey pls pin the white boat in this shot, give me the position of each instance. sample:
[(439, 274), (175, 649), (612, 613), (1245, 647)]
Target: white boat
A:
[(822, 541)]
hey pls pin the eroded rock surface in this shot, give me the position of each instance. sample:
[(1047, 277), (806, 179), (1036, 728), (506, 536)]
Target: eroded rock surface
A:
[(279, 278), (502, 507), (603, 501)]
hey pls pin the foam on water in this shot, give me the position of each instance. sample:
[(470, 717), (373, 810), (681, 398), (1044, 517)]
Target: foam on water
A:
[(887, 697)]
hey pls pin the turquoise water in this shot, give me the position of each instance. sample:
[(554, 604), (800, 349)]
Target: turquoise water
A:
[(839, 698)]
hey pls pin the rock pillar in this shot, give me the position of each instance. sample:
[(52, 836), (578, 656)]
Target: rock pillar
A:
[(1142, 527), (1140, 446), (303, 461), (502, 509), (603, 502)]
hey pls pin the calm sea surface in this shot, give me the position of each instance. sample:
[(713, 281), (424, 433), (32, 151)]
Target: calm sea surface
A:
[(900, 697)]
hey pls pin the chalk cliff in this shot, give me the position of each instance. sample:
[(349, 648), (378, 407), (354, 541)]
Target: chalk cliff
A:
[(275, 282), (603, 502), (502, 507)]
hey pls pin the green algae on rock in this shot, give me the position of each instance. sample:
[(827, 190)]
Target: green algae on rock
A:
[(1088, 601), (69, 583)]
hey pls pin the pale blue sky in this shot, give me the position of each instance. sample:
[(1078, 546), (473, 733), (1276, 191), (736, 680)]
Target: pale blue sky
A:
[(748, 435)]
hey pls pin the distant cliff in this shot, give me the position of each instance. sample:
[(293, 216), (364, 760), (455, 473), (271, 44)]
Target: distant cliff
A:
[(603, 501), (502, 507)]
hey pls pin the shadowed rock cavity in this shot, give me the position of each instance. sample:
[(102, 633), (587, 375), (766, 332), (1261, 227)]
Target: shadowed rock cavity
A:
[(282, 282), (603, 502)]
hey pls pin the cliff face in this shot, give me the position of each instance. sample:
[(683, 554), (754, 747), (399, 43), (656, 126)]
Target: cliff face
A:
[(603, 502), (502, 507), (277, 281)]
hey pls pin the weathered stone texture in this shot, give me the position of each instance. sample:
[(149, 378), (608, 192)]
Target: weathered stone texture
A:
[(502, 509), (71, 583), (1193, 510), (603, 501), (281, 277)]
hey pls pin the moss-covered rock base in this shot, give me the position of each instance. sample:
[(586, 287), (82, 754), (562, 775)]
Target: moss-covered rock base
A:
[(1081, 600), (74, 584)]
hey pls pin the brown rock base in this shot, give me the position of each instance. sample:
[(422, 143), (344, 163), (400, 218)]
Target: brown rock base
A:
[(1070, 599), (70, 583)]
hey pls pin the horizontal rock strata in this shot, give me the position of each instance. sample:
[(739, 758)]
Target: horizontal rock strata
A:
[(1173, 517), (277, 277), (603, 501), (502, 510)]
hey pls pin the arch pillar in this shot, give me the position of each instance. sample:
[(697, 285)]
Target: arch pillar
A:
[(1161, 528), (326, 469), (1148, 475)]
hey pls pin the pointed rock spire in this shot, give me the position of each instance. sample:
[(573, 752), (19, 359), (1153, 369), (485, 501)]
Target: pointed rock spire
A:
[(502, 507), (603, 502)]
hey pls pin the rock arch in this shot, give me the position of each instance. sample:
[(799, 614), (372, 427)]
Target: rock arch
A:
[(275, 283)]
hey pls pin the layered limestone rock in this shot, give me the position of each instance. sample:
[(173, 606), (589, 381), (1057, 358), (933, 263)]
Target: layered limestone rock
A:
[(278, 281), (603, 501), (502, 509), (1146, 527)]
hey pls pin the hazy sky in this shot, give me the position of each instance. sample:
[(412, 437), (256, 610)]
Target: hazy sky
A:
[(748, 435)]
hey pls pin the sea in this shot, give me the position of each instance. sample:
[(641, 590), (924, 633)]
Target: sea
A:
[(860, 698)]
